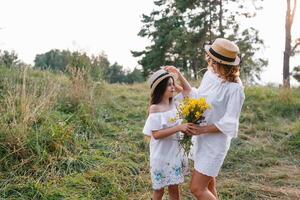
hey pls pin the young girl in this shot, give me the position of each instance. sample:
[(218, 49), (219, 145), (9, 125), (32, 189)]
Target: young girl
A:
[(168, 165)]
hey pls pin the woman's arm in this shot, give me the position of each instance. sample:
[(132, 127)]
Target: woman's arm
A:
[(186, 87), (198, 130), (170, 131)]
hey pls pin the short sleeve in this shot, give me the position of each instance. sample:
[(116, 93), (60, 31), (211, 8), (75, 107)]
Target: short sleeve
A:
[(229, 123), (153, 123)]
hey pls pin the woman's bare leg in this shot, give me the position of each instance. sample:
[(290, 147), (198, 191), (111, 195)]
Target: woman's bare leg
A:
[(158, 194), (212, 187), (174, 192), (199, 186)]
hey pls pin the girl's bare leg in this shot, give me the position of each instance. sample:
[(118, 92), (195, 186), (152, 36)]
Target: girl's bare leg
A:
[(174, 192), (158, 194)]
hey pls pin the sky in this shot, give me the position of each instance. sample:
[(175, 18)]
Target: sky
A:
[(36, 26)]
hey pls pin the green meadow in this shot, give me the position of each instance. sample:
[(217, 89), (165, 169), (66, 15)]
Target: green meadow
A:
[(68, 137)]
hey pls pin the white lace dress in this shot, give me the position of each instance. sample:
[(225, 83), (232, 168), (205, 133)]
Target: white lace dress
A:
[(168, 164)]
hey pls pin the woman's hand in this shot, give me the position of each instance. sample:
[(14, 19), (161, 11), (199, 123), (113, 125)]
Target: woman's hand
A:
[(185, 128), (195, 129), (172, 70), (185, 87)]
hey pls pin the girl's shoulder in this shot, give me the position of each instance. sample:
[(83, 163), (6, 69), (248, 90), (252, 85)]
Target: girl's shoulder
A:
[(155, 109)]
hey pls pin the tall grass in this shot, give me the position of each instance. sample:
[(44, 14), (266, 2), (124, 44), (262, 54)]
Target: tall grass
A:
[(38, 131), (23, 105)]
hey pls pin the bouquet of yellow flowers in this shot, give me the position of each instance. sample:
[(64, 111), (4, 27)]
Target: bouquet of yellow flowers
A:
[(191, 110)]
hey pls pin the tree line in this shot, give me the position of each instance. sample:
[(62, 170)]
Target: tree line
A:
[(97, 66)]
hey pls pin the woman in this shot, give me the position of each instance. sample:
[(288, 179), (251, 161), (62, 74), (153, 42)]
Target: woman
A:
[(223, 90)]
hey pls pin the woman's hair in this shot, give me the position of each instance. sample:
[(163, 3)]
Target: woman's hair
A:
[(229, 73)]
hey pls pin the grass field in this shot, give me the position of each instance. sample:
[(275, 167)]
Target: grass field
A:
[(66, 137)]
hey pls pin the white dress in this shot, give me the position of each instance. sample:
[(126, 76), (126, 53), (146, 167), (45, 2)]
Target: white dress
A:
[(226, 100), (168, 164)]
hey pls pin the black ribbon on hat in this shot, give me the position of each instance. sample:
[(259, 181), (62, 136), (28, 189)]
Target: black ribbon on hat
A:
[(166, 73), (217, 55)]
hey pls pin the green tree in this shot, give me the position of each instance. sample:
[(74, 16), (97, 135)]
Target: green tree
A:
[(54, 59), (296, 70), (249, 44), (9, 59), (179, 28), (114, 74), (296, 73), (174, 42), (64, 60), (136, 76), (80, 60), (99, 64)]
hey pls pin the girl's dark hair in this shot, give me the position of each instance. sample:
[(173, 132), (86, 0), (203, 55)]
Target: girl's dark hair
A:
[(159, 90)]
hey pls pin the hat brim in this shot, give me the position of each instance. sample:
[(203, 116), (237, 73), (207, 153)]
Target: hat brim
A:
[(234, 63), (159, 80)]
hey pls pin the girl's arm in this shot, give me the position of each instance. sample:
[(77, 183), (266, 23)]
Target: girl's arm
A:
[(170, 131), (186, 87)]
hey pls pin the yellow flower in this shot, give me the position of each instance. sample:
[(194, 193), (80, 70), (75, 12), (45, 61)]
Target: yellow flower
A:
[(192, 109), (171, 120)]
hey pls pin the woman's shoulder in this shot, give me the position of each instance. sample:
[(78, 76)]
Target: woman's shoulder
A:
[(236, 86), (236, 90)]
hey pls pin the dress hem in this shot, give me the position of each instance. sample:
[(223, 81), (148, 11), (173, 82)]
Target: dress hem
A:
[(204, 173), (175, 183)]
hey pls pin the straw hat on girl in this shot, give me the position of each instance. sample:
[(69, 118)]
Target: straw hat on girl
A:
[(157, 77)]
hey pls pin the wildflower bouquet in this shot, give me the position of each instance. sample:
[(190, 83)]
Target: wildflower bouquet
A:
[(191, 110)]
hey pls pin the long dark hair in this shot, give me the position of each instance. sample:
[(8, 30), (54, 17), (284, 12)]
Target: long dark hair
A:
[(159, 91)]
